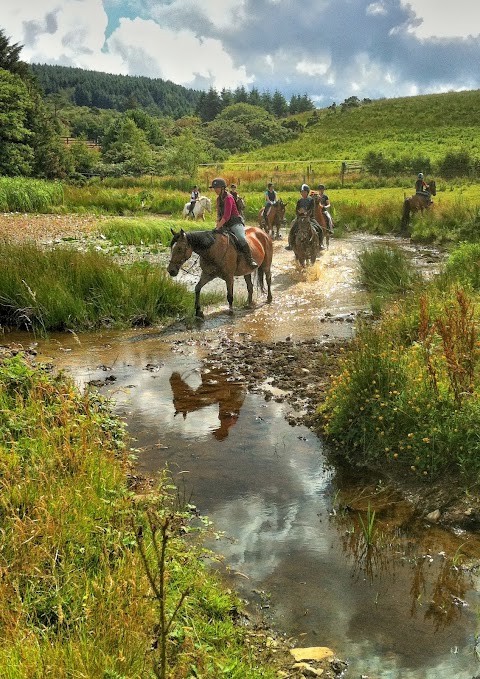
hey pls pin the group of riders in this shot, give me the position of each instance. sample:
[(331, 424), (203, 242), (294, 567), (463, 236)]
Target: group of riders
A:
[(229, 215)]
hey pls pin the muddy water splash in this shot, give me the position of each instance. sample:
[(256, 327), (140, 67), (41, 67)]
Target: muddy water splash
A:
[(395, 597)]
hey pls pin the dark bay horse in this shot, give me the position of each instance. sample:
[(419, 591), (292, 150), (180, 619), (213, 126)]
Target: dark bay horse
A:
[(275, 218), (219, 258), (417, 203), (321, 219), (305, 242), (240, 205)]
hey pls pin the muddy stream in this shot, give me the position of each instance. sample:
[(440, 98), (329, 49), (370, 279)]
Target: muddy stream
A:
[(293, 543)]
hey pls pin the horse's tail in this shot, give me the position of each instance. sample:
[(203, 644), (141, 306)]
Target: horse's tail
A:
[(406, 213), (261, 279)]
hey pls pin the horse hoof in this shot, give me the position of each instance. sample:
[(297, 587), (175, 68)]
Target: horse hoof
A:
[(199, 314), (230, 312)]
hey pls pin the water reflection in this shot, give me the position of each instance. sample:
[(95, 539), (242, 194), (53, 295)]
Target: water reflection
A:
[(216, 387)]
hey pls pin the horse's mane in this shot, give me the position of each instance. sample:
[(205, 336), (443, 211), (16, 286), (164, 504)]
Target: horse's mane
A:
[(201, 240), (198, 240)]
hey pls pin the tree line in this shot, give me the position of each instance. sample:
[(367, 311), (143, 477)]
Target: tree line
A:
[(156, 96)]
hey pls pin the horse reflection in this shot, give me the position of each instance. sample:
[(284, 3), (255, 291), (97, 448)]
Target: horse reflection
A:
[(214, 388)]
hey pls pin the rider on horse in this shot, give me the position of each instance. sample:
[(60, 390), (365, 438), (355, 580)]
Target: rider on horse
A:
[(325, 203), (229, 218), (194, 196), (234, 193), (305, 205), (270, 199), (422, 188)]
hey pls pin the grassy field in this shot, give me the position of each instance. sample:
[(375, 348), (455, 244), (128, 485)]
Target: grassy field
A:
[(412, 127)]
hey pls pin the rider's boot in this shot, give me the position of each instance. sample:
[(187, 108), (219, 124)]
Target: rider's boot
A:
[(247, 253)]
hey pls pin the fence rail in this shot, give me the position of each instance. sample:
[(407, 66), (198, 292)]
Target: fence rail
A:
[(91, 143)]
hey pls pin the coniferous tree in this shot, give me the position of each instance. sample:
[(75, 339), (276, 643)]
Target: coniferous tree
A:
[(279, 104)]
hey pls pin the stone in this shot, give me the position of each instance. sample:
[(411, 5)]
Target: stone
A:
[(311, 653), (434, 516), (307, 670)]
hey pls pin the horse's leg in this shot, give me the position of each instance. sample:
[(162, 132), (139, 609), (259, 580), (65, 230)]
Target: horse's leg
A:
[(229, 282), (248, 281), (204, 279), (326, 237)]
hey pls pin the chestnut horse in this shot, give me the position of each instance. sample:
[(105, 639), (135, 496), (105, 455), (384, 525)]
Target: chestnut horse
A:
[(219, 258), (305, 242), (275, 218), (321, 219), (417, 203)]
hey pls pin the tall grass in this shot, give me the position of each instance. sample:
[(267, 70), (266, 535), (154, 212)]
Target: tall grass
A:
[(408, 391), (463, 265), (20, 194), (387, 271), (101, 199), (62, 288), (146, 230), (74, 596)]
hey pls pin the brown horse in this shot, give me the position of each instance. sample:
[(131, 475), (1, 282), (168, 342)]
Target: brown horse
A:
[(240, 202), (216, 388), (305, 242), (275, 218), (417, 203), (219, 258), (321, 219)]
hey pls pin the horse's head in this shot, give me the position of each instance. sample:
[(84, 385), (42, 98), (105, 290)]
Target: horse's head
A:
[(208, 203), (181, 250)]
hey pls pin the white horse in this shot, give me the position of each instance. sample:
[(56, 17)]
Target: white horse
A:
[(202, 204)]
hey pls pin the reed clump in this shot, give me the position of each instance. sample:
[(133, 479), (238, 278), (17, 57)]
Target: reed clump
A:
[(62, 288)]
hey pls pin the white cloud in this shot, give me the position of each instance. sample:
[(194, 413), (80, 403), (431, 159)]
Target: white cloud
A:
[(376, 8), (179, 56), (444, 20), (66, 32), (72, 32), (312, 67)]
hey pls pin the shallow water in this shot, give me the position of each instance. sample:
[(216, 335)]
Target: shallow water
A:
[(294, 543)]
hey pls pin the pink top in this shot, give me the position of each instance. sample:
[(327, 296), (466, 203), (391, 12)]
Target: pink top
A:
[(229, 208)]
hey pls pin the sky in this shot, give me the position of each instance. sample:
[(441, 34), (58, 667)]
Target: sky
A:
[(327, 49)]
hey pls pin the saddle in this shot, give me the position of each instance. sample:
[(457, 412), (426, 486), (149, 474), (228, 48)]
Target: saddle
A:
[(230, 235)]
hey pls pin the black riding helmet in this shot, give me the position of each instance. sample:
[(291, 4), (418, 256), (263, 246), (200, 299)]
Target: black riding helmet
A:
[(304, 187), (320, 186), (218, 183)]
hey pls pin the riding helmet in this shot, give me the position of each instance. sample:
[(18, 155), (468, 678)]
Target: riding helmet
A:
[(233, 186), (320, 186), (305, 187), (420, 175), (218, 183)]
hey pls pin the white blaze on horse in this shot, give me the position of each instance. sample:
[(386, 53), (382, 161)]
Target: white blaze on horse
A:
[(203, 203)]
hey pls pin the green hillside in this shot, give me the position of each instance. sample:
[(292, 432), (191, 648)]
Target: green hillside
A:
[(422, 126)]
